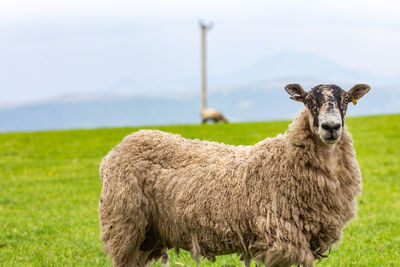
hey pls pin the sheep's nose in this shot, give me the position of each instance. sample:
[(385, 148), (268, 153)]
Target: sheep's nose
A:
[(331, 126)]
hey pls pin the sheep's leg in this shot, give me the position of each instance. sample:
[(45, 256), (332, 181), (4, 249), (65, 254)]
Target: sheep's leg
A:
[(152, 249), (272, 251), (122, 239), (123, 224), (122, 244), (285, 254), (245, 261), (142, 257), (282, 254), (165, 258)]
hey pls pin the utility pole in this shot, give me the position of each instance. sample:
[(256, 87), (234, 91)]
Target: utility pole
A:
[(204, 29), (207, 114)]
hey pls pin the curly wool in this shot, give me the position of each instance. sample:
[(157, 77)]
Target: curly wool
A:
[(282, 201)]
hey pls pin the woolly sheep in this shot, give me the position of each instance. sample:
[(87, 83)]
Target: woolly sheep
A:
[(282, 201), (210, 114)]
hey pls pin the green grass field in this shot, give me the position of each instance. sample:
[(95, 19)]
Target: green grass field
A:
[(49, 191)]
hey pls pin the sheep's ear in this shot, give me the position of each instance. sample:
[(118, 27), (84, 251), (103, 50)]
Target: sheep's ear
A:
[(296, 91), (358, 91)]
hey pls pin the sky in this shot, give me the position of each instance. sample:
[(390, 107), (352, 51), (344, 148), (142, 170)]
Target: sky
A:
[(57, 48)]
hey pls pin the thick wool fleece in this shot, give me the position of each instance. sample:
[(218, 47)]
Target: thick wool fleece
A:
[(282, 201)]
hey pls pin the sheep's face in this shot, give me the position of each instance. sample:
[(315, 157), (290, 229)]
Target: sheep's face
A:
[(327, 104)]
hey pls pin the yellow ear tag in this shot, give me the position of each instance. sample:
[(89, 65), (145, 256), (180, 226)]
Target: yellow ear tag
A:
[(353, 100)]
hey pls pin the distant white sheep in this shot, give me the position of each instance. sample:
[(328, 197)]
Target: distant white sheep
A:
[(214, 115)]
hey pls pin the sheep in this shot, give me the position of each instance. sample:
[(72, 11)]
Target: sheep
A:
[(210, 114), (282, 201)]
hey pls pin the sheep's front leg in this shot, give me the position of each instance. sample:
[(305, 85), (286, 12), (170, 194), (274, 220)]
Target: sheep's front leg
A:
[(284, 255), (280, 244)]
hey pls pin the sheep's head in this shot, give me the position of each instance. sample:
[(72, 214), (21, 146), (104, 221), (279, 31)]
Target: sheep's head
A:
[(327, 105)]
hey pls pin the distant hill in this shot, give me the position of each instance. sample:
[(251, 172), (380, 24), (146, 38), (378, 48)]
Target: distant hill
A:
[(297, 67), (251, 94), (284, 67), (255, 103)]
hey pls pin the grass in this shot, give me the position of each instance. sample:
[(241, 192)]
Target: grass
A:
[(49, 191)]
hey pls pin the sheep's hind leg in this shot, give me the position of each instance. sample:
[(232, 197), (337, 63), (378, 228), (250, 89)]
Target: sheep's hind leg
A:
[(151, 249), (145, 257), (122, 240), (123, 227), (165, 258), (142, 258)]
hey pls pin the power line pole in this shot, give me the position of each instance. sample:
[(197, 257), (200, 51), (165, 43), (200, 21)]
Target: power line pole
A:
[(203, 28)]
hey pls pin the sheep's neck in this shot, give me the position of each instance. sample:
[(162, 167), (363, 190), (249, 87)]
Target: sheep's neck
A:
[(305, 145)]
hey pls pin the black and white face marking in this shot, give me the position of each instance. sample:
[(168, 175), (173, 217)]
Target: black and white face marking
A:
[(328, 108), (327, 105)]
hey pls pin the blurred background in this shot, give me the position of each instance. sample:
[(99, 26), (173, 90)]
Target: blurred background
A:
[(88, 64)]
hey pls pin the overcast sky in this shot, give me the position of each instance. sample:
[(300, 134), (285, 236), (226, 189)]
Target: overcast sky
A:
[(52, 48)]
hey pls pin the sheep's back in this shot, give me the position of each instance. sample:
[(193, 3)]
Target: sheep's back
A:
[(189, 184)]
